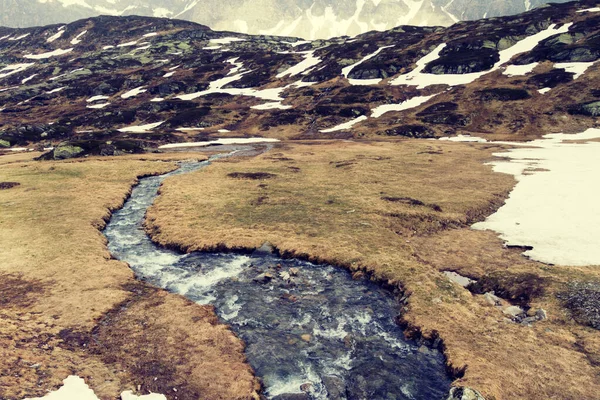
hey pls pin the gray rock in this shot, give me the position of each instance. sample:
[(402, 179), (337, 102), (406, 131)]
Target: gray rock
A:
[(464, 393), (513, 311), (336, 387), (492, 299), (264, 278), (457, 278), (541, 314), (266, 248)]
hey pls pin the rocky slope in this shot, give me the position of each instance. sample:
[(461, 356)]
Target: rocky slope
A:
[(309, 19), (124, 83)]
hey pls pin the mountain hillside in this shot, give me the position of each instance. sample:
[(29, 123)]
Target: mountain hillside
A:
[(152, 80), (310, 19)]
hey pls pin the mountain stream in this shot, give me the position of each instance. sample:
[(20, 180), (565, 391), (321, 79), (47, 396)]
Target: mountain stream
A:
[(311, 331)]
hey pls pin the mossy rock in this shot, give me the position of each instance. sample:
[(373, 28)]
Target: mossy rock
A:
[(4, 143), (63, 152)]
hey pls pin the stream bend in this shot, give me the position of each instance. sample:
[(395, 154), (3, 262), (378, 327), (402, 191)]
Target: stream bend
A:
[(309, 329)]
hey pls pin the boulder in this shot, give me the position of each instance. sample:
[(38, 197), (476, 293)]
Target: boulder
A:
[(266, 248), (4, 143), (264, 278), (464, 393), (513, 311), (63, 152), (335, 386), (492, 299)]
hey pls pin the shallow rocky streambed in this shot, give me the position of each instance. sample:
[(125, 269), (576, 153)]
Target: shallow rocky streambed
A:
[(312, 332)]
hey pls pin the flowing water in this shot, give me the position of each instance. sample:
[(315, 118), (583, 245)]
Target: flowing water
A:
[(309, 329)]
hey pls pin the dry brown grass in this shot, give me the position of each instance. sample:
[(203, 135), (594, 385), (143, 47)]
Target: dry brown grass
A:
[(327, 202), (59, 285)]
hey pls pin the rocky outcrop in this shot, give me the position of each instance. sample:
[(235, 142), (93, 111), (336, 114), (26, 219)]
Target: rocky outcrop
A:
[(591, 109), (583, 300)]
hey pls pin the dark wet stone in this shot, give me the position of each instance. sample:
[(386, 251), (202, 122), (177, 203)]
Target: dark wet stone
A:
[(335, 386), (591, 109)]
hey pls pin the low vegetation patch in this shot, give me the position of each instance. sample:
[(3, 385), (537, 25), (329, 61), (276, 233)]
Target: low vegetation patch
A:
[(8, 185), (251, 175)]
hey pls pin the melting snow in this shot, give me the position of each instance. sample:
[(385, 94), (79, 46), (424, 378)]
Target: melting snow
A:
[(578, 68), (95, 98), (420, 79), (127, 44), (226, 40), (19, 37), (272, 94), (29, 78), (408, 104), (168, 74), (151, 34), (77, 40), (346, 125), (544, 90), (54, 53), (595, 9), (346, 71), (302, 67), (553, 208), (464, 138), (519, 70), (75, 388), (58, 34), (222, 141), (141, 128), (133, 92), (157, 99), (55, 90), (97, 106), (271, 106)]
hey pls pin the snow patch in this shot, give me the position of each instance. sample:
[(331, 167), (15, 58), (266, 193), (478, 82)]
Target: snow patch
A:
[(57, 35), (594, 9), (271, 106), (133, 92), (141, 128), (14, 68), (553, 207), (578, 68), (222, 141), (408, 104), (96, 98), (519, 70), (76, 39), (422, 80), (346, 125), (310, 60), (53, 53)]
